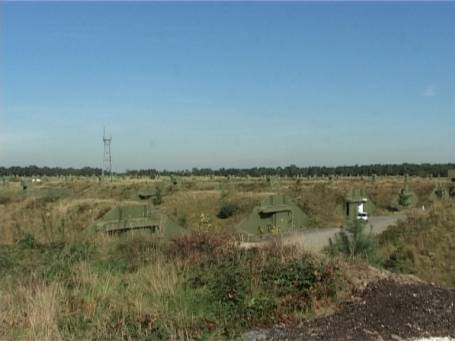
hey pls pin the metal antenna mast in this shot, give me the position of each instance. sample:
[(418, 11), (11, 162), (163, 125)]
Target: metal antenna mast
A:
[(107, 159)]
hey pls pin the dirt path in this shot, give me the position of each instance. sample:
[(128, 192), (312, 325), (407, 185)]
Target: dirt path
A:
[(316, 239)]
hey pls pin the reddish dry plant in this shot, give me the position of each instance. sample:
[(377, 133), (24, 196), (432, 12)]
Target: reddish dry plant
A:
[(200, 244)]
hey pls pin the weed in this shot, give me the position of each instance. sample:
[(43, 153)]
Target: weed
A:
[(28, 241)]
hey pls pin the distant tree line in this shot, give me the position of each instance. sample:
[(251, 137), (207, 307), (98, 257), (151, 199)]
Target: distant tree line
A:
[(48, 171), (424, 169)]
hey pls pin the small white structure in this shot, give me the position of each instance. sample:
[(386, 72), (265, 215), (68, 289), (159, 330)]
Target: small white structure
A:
[(356, 206)]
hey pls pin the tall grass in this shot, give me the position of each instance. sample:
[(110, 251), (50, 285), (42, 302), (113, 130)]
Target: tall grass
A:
[(59, 281), (423, 244), (146, 288), (355, 242), (31, 310)]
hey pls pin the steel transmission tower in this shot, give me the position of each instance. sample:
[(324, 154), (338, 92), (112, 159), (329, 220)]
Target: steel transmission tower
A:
[(107, 159)]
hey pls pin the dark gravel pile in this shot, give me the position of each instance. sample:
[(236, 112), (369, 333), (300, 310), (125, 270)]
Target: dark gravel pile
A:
[(388, 310)]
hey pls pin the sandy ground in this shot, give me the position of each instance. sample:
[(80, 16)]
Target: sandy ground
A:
[(316, 239)]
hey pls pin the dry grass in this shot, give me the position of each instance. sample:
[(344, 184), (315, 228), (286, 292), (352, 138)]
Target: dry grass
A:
[(31, 311), (81, 202), (127, 287)]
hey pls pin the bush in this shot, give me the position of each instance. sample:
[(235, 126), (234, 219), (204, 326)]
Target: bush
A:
[(243, 289), (229, 286), (28, 241), (201, 244), (353, 242), (134, 251), (423, 244), (294, 276), (406, 198), (228, 210)]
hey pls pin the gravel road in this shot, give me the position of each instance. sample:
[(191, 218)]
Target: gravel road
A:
[(315, 239), (387, 310)]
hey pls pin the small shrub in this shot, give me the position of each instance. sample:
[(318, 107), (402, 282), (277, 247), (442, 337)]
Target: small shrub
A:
[(353, 242), (135, 251), (260, 309), (58, 259), (401, 260), (28, 241), (228, 210), (77, 252), (294, 276), (182, 220), (229, 286), (406, 198), (201, 244)]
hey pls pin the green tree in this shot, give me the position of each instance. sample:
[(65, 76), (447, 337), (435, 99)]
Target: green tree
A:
[(354, 242), (404, 199)]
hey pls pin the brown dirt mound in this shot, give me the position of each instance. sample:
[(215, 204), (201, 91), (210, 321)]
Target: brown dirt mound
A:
[(388, 310)]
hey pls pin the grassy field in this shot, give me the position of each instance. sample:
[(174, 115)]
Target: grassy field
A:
[(59, 279), (423, 245)]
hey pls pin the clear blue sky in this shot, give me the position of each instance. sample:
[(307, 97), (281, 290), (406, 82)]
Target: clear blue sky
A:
[(185, 85)]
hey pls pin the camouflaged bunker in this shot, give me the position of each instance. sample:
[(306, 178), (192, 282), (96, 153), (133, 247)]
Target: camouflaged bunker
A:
[(276, 214), (142, 215)]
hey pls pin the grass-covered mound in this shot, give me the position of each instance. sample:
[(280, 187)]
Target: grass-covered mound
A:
[(423, 245)]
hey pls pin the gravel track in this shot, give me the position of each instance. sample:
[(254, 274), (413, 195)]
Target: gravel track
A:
[(387, 310), (316, 239)]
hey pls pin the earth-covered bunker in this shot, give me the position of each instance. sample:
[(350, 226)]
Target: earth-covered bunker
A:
[(142, 215), (276, 214)]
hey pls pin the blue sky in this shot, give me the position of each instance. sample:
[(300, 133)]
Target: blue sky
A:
[(182, 85)]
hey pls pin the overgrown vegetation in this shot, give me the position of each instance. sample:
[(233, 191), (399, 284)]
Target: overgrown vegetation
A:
[(423, 244), (354, 242), (405, 199), (198, 286), (228, 210), (58, 280)]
